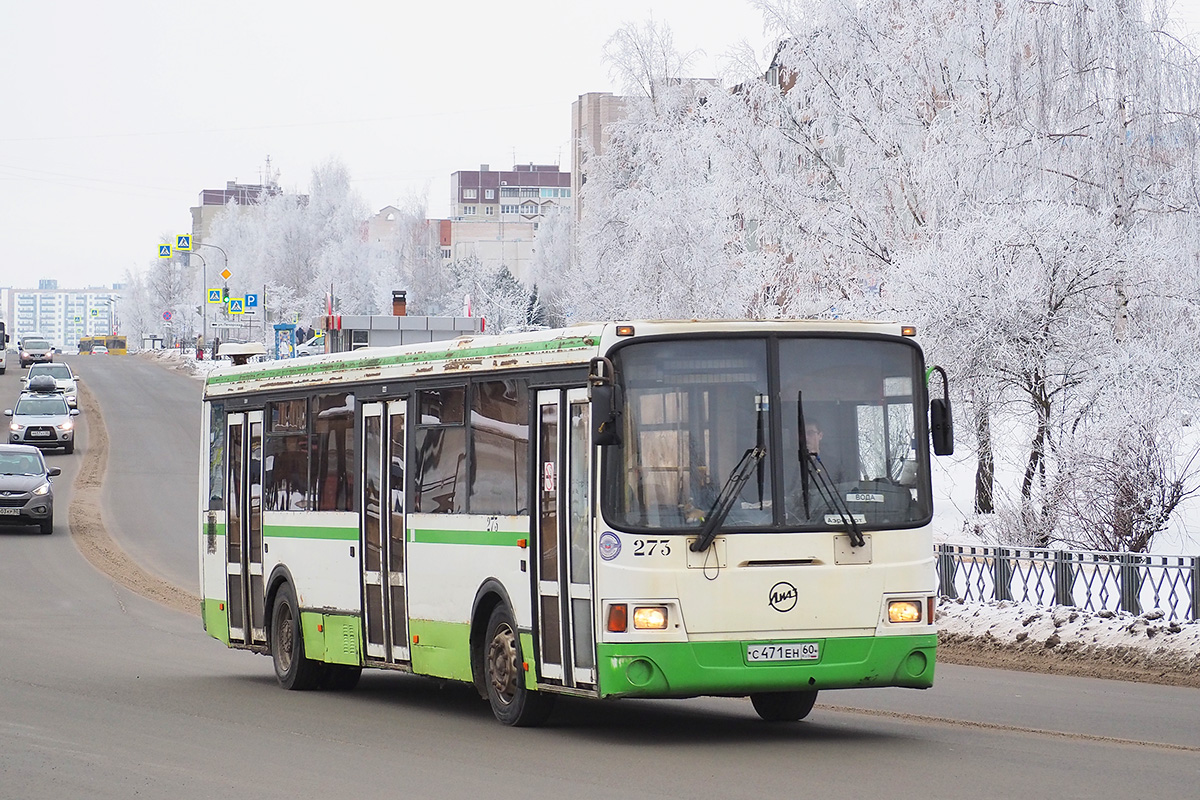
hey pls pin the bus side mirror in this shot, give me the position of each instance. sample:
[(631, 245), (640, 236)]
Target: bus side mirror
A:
[(941, 426), (606, 414), (941, 418)]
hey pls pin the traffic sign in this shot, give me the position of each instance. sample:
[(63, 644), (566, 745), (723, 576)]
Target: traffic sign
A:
[(226, 274), (164, 251), (214, 295), (237, 305), (251, 300), (183, 242), (166, 316)]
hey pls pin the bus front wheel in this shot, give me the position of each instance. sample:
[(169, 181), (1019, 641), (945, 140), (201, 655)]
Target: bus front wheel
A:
[(504, 674), (292, 668), (783, 706)]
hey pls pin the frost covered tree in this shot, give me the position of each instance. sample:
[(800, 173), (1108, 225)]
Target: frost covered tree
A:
[(1020, 178), (300, 246)]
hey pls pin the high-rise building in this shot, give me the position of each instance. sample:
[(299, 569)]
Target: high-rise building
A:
[(64, 316), (591, 117)]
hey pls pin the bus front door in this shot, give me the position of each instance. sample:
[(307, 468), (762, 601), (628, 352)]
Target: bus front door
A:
[(563, 532), (385, 621), (243, 529)]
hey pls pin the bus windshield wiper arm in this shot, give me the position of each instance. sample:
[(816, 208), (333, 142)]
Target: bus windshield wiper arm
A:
[(725, 500), (830, 495)]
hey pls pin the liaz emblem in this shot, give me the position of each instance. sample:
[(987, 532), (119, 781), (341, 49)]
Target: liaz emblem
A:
[(783, 596)]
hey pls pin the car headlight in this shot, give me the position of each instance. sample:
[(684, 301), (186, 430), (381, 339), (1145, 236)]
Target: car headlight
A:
[(65, 426), (43, 489), (16, 426)]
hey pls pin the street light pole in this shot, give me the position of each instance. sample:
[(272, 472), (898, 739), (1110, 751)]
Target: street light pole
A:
[(204, 303), (225, 256)]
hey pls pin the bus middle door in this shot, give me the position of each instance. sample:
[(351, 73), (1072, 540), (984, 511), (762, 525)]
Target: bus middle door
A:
[(243, 529), (385, 621)]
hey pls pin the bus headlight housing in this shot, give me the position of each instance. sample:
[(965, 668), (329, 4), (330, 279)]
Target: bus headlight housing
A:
[(904, 611), (650, 618)]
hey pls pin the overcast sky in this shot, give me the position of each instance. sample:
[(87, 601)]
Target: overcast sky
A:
[(113, 116)]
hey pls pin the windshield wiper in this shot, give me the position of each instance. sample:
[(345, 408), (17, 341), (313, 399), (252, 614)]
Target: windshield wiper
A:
[(725, 500), (830, 495), (810, 465)]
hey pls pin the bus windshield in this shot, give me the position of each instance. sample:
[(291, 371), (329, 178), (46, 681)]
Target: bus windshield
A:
[(694, 407)]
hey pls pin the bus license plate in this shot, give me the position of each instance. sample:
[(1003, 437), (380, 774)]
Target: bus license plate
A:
[(803, 651)]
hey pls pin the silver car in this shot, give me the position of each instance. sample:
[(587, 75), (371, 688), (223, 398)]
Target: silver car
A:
[(64, 380), (26, 493), (42, 420)]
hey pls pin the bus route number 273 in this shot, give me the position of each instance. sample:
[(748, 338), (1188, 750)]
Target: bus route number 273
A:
[(651, 547)]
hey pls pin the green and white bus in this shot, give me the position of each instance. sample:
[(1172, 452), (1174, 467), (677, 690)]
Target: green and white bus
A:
[(640, 509)]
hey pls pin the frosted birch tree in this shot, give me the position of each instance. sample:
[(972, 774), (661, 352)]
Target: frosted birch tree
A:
[(1019, 177)]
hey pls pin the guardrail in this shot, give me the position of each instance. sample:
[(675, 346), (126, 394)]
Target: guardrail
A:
[(1095, 581)]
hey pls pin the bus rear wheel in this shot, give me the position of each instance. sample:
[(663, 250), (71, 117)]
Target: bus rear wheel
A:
[(783, 706), (292, 668), (504, 675)]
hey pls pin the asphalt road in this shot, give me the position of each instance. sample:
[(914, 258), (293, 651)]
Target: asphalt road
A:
[(104, 694)]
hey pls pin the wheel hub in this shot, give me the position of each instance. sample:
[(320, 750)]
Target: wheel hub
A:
[(502, 664)]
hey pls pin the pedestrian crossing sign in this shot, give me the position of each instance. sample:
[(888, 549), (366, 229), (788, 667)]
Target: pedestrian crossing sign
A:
[(164, 251), (183, 242), (237, 305), (214, 295)]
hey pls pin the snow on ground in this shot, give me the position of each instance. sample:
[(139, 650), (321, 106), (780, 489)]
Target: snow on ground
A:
[(1005, 623), (1010, 623)]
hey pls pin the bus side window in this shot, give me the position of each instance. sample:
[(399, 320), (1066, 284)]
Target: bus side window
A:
[(441, 451), (333, 461), (216, 457), (499, 447)]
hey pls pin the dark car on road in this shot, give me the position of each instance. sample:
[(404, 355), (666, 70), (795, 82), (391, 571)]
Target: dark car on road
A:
[(26, 491)]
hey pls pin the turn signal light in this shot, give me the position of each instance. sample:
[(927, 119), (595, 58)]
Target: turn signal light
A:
[(624, 330), (618, 618), (904, 611)]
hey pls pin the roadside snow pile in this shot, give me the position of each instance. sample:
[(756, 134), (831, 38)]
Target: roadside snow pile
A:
[(1149, 641), (184, 361)]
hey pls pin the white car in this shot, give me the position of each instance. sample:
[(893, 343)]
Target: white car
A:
[(42, 420), (99, 350), (313, 347), (64, 380)]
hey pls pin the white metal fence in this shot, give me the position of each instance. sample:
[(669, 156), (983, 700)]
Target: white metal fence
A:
[(1095, 581)]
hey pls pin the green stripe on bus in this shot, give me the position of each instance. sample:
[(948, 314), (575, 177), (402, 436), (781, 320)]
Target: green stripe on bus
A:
[(497, 538), (306, 532), (441, 649), (684, 669), (306, 367)]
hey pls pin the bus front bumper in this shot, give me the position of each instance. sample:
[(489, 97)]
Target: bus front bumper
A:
[(689, 669)]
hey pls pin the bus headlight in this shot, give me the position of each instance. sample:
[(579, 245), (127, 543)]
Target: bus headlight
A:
[(653, 618), (904, 611)]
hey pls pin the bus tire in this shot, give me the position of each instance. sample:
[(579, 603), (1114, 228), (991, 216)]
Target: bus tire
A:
[(783, 706), (504, 675), (293, 669)]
